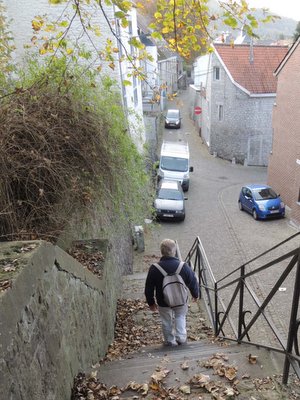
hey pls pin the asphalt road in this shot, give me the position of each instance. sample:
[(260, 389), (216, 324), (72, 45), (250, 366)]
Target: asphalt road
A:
[(230, 237)]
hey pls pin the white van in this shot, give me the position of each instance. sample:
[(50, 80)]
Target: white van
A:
[(174, 163)]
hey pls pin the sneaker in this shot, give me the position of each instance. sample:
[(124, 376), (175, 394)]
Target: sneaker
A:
[(170, 344), (181, 343)]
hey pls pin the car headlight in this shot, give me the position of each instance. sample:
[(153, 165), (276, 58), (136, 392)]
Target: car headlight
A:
[(185, 176), (262, 207), (178, 211), (167, 121), (282, 204)]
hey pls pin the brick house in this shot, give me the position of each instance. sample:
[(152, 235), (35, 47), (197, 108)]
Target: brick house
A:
[(235, 88), (284, 164)]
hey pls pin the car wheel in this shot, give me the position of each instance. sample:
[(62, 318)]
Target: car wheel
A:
[(241, 206), (254, 214)]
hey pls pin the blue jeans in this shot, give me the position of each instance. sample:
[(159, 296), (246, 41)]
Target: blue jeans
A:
[(173, 322)]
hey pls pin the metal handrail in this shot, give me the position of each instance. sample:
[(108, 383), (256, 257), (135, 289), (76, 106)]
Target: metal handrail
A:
[(220, 314)]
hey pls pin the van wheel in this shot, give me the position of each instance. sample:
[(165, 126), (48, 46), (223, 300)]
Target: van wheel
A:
[(254, 214)]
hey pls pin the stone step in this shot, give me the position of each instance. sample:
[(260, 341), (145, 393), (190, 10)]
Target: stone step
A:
[(140, 366)]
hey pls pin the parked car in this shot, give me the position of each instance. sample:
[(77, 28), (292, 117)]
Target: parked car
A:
[(173, 119), (169, 201), (174, 163), (261, 201)]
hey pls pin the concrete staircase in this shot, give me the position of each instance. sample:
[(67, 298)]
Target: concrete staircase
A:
[(180, 364), (140, 366)]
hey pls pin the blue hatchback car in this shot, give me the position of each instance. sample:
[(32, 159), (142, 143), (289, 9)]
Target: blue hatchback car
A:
[(261, 201)]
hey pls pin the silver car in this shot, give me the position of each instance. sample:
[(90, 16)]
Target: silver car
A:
[(169, 201), (173, 119)]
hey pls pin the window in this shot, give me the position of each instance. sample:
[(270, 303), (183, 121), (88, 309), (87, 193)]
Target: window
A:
[(130, 27), (216, 73), (135, 90), (220, 112)]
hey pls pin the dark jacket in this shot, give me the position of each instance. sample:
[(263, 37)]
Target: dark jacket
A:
[(153, 286)]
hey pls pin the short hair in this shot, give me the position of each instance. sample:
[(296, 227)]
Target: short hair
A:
[(168, 248)]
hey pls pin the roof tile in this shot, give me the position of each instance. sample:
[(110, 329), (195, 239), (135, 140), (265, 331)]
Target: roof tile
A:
[(256, 77)]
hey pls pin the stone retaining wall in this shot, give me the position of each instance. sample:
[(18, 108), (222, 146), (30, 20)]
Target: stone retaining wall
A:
[(56, 319)]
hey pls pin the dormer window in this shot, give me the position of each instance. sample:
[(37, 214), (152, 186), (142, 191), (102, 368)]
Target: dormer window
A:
[(216, 73)]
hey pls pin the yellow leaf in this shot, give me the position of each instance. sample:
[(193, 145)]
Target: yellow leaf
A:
[(37, 25), (111, 65)]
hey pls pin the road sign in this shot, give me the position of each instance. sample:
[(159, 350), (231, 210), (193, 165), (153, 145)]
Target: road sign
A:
[(198, 110)]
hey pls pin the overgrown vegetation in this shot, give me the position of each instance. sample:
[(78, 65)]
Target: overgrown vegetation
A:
[(64, 145)]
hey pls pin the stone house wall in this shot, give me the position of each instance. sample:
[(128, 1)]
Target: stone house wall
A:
[(244, 130)]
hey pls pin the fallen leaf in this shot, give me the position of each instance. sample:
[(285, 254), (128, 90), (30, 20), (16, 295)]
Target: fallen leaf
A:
[(230, 373), (186, 389), (160, 375), (9, 268), (252, 359), (133, 386), (184, 365), (144, 389), (114, 391), (199, 380), (229, 392)]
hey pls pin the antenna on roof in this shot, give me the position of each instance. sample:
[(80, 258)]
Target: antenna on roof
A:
[(251, 55)]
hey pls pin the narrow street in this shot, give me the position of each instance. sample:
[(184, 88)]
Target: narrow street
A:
[(230, 237)]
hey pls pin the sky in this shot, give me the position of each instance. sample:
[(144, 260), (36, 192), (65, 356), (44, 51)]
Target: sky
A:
[(284, 8)]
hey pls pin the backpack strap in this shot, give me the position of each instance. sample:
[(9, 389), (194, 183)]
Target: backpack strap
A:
[(178, 270), (160, 269)]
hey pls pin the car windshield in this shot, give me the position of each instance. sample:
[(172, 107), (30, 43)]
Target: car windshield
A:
[(174, 164), (169, 194), (264, 194), (172, 114)]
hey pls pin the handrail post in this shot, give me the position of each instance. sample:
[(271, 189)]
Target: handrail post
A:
[(216, 308), (199, 271), (293, 323), (241, 303)]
